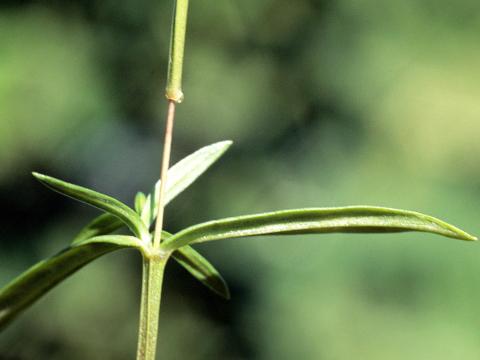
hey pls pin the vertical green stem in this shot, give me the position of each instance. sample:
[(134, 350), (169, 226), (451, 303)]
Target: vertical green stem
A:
[(177, 46), (153, 270)]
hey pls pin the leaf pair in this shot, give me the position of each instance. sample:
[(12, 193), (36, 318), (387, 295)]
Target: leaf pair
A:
[(180, 177), (94, 241)]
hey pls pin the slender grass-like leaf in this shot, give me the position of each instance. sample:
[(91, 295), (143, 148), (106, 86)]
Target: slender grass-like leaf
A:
[(98, 200), (182, 175), (40, 278), (201, 269), (354, 219)]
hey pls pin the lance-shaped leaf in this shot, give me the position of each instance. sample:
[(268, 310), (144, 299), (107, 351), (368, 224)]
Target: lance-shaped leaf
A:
[(359, 219), (98, 200), (182, 175), (36, 281), (201, 269)]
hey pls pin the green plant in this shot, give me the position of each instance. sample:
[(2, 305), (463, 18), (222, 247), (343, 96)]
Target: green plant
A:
[(157, 246)]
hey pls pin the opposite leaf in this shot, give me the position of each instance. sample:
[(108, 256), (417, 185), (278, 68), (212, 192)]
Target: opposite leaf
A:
[(98, 200), (359, 219), (201, 269), (182, 175), (40, 278)]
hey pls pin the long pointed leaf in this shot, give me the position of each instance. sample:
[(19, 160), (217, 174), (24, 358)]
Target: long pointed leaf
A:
[(201, 269), (98, 200), (317, 220), (36, 281), (182, 175)]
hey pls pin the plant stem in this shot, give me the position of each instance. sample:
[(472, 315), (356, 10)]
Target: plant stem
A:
[(174, 95), (154, 263), (167, 147), (153, 270), (177, 47)]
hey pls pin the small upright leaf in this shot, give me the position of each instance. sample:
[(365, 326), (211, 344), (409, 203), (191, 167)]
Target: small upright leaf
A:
[(140, 199), (98, 200), (359, 219), (182, 175), (40, 278), (201, 269)]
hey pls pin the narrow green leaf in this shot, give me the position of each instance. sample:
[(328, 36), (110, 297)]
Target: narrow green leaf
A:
[(98, 200), (201, 269), (182, 175), (104, 224), (140, 199), (359, 219), (40, 278)]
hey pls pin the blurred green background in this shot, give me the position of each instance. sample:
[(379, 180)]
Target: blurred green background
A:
[(329, 103)]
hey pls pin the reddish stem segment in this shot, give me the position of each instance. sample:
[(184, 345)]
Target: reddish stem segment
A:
[(167, 146)]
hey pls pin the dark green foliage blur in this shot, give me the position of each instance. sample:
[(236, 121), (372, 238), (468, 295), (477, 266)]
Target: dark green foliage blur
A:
[(329, 103)]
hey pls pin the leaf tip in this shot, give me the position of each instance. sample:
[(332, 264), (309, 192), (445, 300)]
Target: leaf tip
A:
[(226, 144), (38, 175), (44, 179), (462, 235), (219, 286), (471, 238), (225, 293)]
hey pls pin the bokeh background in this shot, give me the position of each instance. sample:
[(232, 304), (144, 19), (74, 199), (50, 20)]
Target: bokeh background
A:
[(329, 103)]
